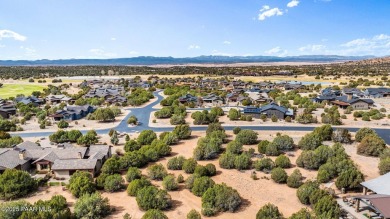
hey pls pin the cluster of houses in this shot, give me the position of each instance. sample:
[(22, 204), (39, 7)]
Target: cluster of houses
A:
[(257, 94), (62, 160), (110, 93), (238, 92), (346, 97), (271, 109)]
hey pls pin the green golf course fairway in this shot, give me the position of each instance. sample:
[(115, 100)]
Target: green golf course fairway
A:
[(11, 90)]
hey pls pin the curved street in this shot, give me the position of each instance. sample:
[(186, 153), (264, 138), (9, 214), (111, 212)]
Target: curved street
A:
[(143, 115)]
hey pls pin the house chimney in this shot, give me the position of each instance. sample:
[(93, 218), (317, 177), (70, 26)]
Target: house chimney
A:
[(80, 156), (349, 96), (22, 154)]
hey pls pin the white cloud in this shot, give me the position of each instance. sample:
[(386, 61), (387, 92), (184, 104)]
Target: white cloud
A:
[(11, 34), (378, 45), (357, 42), (113, 39), (293, 3), (133, 53), (219, 53), (2, 46), (227, 42), (265, 8), (100, 53), (193, 47), (276, 51), (266, 11), (29, 52), (312, 48), (381, 37)]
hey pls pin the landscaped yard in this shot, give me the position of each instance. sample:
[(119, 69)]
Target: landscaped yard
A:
[(11, 90)]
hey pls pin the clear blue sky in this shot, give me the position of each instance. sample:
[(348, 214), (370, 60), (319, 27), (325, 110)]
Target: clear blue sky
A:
[(53, 29)]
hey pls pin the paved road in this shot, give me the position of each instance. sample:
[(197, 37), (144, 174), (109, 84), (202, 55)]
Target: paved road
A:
[(143, 115)]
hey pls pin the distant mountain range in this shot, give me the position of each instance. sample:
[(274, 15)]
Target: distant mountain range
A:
[(150, 60)]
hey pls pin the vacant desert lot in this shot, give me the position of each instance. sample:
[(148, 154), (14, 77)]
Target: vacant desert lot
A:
[(255, 193)]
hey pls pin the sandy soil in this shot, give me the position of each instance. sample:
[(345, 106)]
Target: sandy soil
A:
[(81, 124), (350, 120), (368, 165), (255, 193)]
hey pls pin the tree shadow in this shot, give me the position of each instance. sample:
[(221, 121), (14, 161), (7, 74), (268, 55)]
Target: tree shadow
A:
[(245, 203), (175, 204), (118, 209), (173, 154), (181, 187), (218, 172)]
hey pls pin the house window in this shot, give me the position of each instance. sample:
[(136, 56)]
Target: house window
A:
[(44, 166)]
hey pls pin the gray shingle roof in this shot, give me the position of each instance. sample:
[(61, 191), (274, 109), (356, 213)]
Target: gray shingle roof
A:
[(74, 164), (28, 145), (35, 154), (69, 153), (63, 158), (10, 159), (379, 90), (51, 156), (98, 155), (58, 97), (93, 149), (353, 100), (274, 106)]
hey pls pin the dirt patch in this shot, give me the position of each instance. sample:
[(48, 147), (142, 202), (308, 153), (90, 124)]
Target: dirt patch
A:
[(255, 193)]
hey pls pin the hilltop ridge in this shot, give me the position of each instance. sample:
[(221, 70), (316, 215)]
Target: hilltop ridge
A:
[(151, 60)]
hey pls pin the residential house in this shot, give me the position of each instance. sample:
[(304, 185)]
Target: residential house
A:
[(352, 91), (257, 96), (62, 160), (379, 92), (269, 110), (232, 97), (188, 98), (104, 92), (7, 110), (55, 99), (30, 100), (330, 91), (145, 85), (328, 94), (266, 85), (321, 98), (213, 100), (116, 99), (73, 112), (13, 159), (291, 85), (355, 102)]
